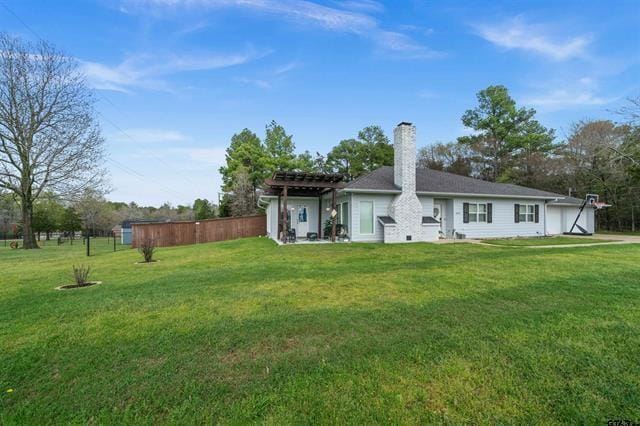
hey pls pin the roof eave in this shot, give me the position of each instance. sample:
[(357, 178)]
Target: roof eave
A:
[(467, 194), (372, 191)]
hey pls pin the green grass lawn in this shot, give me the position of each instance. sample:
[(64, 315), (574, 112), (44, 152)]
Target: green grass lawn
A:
[(544, 241), (246, 331)]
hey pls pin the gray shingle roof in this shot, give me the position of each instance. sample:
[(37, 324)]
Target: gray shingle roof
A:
[(568, 200), (386, 220), (428, 180), (429, 219)]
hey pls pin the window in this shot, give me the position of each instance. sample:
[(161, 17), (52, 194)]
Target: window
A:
[(527, 213), (343, 215), (302, 214), (477, 212), (366, 217)]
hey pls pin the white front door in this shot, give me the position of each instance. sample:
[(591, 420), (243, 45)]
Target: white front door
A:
[(439, 214), (302, 223)]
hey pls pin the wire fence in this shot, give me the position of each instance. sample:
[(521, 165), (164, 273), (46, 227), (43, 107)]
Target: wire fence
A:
[(79, 243)]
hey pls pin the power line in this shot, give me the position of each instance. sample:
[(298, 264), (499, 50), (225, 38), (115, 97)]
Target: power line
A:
[(141, 150), (114, 162)]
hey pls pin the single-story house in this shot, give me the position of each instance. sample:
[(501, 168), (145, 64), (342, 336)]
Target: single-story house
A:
[(404, 203)]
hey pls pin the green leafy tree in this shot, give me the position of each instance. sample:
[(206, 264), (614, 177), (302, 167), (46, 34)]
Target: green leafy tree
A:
[(503, 132), (353, 157), (312, 163), (71, 221), (245, 152), (224, 209), (279, 148), (347, 158), (376, 148), (203, 209), (305, 163), (9, 214), (47, 216)]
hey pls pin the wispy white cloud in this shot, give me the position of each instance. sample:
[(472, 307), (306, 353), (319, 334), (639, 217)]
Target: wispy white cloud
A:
[(263, 84), (267, 79), (147, 71), (581, 92), (515, 33), (563, 98), (355, 21), (284, 69), (369, 6), (149, 136), (212, 156), (417, 29)]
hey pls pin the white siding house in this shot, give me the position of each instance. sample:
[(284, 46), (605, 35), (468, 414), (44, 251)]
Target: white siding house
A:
[(408, 204)]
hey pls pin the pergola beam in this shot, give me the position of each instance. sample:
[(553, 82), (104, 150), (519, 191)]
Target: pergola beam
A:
[(304, 184)]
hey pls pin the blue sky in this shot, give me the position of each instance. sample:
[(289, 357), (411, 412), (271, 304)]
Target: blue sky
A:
[(176, 78)]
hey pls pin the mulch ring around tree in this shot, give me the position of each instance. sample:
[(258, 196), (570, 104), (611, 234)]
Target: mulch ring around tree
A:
[(78, 286), (146, 263)]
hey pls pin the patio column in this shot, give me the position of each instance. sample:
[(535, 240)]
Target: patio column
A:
[(285, 227), (333, 218), (279, 216), (320, 217)]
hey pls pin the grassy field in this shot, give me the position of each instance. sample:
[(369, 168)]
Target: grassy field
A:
[(246, 331), (544, 241)]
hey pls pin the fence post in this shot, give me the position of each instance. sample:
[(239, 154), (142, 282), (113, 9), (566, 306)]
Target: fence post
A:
[(88, 244), (114, 240)]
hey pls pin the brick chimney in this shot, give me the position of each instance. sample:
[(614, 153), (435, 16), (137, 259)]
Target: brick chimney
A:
[(404, 156), (405, 208)]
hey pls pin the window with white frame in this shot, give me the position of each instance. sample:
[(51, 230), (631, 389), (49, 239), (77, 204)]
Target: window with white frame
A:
[(527, 213), (343, 215), (366, 217), (477, 212)]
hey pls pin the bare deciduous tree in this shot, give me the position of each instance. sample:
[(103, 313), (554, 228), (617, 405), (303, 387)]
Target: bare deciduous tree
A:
[(242, 198), (49, 138)]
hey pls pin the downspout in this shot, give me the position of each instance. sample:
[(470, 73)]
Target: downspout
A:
[(545, 217)]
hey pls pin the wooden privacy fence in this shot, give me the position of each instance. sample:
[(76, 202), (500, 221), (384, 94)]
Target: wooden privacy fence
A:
[(169, 234)]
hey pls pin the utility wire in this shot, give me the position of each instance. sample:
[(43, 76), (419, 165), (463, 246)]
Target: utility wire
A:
[(119, 165)]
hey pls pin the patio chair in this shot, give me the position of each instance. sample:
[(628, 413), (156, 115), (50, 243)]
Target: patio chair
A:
[(292, 236)]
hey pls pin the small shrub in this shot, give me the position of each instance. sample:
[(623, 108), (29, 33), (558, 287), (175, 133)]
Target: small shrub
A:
[(147, 247), (81, 274), (328, 225)]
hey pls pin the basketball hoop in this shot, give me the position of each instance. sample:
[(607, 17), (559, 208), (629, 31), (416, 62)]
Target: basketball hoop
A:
[(599, 205)]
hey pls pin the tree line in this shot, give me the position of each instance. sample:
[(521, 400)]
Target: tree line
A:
[(50, 149), (91, 213), (507, 144), (250, 160), (51, 145)]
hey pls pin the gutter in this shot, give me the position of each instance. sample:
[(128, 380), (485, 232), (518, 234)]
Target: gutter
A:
[(372, 191), (447, 194), (464, 194)]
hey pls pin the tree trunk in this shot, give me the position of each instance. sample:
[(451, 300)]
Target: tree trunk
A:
[(28, 237)]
